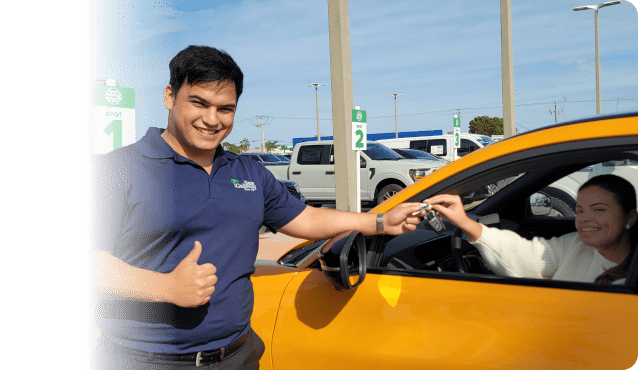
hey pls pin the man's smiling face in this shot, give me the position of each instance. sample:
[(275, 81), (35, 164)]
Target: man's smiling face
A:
[(200, 118)]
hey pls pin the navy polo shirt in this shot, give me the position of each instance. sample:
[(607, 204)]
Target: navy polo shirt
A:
[(153, 204)]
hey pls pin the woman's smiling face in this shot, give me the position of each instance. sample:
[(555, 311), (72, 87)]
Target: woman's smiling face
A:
[(600, 220)]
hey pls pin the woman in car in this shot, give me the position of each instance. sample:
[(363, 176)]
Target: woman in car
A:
[(600, 251)]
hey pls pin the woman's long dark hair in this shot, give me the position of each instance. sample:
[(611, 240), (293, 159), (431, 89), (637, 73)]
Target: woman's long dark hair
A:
[(625, 195)]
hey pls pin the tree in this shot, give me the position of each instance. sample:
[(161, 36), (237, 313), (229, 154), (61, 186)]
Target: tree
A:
[(485, 125), (231, 147), (270, 145), (244, 145)]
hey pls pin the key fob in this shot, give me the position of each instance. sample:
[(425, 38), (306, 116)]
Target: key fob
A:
[(434, 222)]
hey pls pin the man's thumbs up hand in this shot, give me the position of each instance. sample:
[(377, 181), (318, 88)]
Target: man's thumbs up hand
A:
[(191, 285)]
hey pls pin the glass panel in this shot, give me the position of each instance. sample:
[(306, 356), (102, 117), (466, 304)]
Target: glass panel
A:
[(310, 154)]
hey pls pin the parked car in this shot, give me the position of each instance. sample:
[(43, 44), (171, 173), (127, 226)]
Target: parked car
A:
[(383, 171), (427, 301), (293, 188), (282, 157), (265, 158), (418, 154)]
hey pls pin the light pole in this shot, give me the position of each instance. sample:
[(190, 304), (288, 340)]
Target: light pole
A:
[(316, 85), (595, 8), (396, 125)]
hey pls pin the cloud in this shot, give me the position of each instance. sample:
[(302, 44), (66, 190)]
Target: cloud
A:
[(582, 64)]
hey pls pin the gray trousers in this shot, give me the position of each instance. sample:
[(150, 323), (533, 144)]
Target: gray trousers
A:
[(107, 357)]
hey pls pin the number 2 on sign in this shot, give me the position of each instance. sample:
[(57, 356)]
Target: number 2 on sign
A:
[(115, 128), (359, 143)]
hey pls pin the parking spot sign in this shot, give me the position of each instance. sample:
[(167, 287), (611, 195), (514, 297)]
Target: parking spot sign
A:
[(359, 131), (113, 118), (457, 132)]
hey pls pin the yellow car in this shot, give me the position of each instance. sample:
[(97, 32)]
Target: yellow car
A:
[(425, 300)]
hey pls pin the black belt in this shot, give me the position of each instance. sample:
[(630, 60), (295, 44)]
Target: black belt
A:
[(200, 358)]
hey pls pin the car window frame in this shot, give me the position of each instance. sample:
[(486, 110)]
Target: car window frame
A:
[(590, 151)]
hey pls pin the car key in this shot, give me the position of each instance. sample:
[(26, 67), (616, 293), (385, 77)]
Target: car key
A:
[(435, 222), (432, 218)]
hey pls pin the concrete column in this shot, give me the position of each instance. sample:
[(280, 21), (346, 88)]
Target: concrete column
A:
[(342, 105), (597, 66), (507, 69)]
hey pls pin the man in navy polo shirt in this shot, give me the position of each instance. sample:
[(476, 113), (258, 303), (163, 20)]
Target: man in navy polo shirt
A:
[(177, 230)]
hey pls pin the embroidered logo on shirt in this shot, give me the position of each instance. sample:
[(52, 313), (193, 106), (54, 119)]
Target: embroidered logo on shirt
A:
[(246, 185)]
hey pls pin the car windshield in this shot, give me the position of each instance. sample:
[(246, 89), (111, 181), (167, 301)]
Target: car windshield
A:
[(379, 151), (485, 140), (269, 158), (413, 153)]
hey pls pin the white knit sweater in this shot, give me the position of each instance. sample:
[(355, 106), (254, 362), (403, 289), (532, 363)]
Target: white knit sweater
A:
[(560, 258)]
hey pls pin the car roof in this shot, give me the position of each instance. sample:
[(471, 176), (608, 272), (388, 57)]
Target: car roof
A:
[(593, 129)]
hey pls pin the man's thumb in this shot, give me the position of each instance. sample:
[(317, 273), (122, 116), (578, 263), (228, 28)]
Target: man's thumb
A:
[(194, 254)]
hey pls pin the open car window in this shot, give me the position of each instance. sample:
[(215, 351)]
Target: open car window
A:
[(513, 202), (424, 249)]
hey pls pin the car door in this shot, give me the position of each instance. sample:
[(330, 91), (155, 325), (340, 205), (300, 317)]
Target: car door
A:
[(364, 174), (366, 186), (417, 316), (467, 146), (429, 322)]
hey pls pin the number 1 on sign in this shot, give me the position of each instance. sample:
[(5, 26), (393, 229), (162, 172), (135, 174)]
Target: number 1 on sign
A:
[(115, 128)]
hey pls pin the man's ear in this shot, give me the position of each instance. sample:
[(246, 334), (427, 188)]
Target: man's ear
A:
[(169, 97)]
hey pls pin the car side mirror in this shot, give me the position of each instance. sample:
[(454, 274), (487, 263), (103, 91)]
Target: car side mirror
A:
[(363, 163), (540, 204), (343, 260)]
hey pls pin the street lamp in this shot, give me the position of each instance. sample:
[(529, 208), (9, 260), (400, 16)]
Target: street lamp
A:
[(596, 7), (316, 85), (396, 126)]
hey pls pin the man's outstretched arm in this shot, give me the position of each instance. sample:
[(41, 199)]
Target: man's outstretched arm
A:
[(324, 223)]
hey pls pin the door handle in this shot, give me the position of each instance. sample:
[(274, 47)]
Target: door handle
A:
[(296, 172), (330, 172)]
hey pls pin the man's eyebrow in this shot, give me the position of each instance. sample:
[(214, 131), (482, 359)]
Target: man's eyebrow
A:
[(198, 98)]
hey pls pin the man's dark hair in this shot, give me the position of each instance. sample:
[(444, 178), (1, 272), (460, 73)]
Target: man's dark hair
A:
[(197, 64)]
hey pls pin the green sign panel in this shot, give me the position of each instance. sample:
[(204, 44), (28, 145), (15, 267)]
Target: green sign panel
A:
[(114, 96), (358, 115)]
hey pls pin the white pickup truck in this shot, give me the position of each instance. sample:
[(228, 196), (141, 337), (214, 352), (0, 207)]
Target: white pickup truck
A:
[(383, 171)]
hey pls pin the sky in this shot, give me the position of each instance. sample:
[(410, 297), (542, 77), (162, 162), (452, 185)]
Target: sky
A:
[(444, 57)]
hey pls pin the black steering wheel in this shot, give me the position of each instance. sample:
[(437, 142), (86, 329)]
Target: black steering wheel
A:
[(460, 265)]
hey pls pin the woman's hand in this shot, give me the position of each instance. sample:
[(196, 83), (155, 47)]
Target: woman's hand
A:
[(451, 207)]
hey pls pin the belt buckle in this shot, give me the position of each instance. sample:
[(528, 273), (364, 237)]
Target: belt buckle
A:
[(198, 359), (223, 353)]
